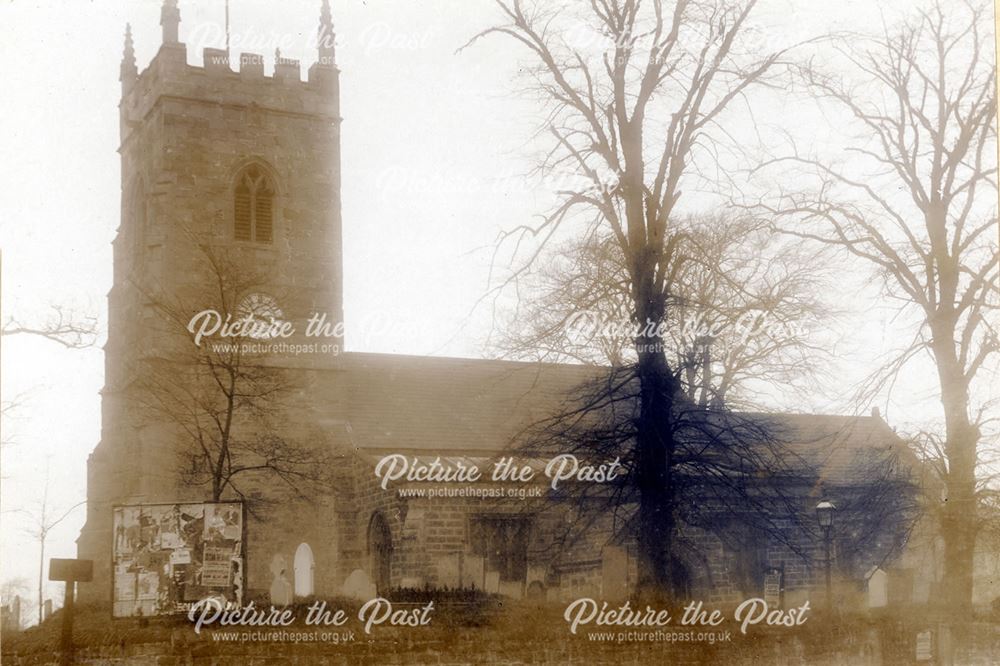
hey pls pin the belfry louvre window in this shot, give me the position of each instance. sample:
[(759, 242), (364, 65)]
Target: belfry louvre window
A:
[(253, 206)]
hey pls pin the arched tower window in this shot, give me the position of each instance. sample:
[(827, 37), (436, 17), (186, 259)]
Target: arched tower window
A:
[(253, 206)]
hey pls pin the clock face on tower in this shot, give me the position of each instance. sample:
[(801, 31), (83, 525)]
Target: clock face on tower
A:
[(264, 314)]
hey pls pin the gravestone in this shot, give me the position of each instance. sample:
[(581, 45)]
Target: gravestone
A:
[(535, 590), (772, 588), (922, 586), (510, 588), (872, 648), (900, 590), (305, 566), (492, 584), (536, 579), (359, 586), (472, 572), (15, 613), (924, 642), (945, 646), (10, 617), (448, 567), (614, 573), (281, 588), (47, 609), (878, 589)]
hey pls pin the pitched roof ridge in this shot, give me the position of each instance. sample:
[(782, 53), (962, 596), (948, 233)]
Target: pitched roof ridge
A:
[(471, 360)]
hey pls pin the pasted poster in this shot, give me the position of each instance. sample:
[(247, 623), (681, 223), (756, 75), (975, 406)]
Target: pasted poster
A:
[(166, 557)]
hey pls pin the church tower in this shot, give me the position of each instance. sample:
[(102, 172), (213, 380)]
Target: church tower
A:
[(220, 164)]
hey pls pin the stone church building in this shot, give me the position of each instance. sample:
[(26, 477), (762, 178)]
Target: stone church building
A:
[(222, 156)]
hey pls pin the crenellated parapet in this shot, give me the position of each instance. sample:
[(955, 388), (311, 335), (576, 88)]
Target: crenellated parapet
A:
[(230, 80)]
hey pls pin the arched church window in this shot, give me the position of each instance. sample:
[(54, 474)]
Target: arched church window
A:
[(254, 206)]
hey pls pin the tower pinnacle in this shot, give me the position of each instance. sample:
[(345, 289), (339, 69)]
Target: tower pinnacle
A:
[(128, 72), (325, 37), (170, 19)]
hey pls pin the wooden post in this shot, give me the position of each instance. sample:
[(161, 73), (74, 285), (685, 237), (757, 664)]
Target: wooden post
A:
[(66, 647), (69, 571)]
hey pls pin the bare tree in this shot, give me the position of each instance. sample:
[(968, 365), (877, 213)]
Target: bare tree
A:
[(43, 519), (630, 122), (226, 403), (917, 201), (63, 326), (744, 478), (740, 321), (8, 410), (571, 310)]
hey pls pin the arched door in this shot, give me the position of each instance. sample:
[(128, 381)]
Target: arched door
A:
[(380, 552), (304, 570)]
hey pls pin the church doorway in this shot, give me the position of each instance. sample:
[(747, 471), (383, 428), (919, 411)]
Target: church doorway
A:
[(380, 552)]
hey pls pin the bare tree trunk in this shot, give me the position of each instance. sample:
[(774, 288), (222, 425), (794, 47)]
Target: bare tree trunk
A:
[(931, 106), (654, 443), (655, 447), (41, 580), (654, 437), (598, 127), (958, 518)]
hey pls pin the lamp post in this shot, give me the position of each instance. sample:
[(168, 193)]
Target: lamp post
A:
[(824, 514)]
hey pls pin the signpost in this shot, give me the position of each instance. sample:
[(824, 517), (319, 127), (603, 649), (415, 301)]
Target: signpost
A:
[(70, 571)]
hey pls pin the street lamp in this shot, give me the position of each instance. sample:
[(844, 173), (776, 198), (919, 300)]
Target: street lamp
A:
[(824, 514)]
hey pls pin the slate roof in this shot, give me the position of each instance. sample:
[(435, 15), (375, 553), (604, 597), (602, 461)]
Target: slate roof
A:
[(475, 407), (841, 448), (427, 403)]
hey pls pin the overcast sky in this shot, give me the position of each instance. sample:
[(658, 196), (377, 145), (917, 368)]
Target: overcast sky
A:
[(433, 146)]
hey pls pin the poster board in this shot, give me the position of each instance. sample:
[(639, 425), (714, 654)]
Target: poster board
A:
[(167, 557)]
